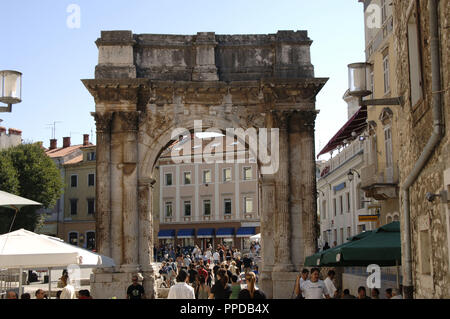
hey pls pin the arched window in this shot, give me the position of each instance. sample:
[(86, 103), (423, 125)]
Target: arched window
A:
[(389, 219), (396, 217), (73, 238)]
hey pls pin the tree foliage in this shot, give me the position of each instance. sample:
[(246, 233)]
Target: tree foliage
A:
[(25, 170)]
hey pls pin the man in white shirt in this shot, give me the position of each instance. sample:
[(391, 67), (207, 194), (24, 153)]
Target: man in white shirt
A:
[(396, 294), (300, 280), (216, 257), (181, 290), (314, 288), (68, 291), (329, 283)]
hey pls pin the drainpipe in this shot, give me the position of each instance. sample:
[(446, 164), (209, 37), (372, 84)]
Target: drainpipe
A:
[(433, 141)]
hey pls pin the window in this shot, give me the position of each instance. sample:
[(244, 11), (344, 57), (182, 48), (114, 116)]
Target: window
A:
[(91, 206), (248, 204), (73, 206), (187, 178), (91, 156), (341, 205), (168, 209), (187, 208), (334, 206), (206, 177), (396, 218), (91, 179), (335, 237), (207, 207), (169, 179), (386, 73), (73, 238), (342, 235), (227, 206), (388, 146), (415, 66), (74, 180), (361, 228), (227, 174), (349, 232), (90, 240), (324, 210), (372, 84), (348, 203), (247, 173)]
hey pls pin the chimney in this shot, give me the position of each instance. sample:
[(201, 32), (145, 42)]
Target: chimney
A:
[(53, 144), (85, 139), (2, 129), (14, 131), (66, 142)]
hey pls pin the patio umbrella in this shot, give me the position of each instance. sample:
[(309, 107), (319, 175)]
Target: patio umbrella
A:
[(316, 259), (15, 202), (381, 246)]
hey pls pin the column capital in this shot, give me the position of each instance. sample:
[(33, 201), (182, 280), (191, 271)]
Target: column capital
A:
[(103, 121), (146, 182), (128, 120)]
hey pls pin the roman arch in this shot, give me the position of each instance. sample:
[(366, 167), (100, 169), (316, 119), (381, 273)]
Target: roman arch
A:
[(147, 85)]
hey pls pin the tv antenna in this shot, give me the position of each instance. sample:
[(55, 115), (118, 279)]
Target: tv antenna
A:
[(53, 127)]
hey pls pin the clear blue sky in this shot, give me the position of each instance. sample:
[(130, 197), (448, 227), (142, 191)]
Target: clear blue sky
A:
[(53, 58)]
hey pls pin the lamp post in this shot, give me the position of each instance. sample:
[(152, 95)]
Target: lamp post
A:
[(358, 86), (10, 89)]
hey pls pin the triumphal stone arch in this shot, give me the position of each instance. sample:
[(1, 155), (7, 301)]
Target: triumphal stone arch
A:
[(147, 85)]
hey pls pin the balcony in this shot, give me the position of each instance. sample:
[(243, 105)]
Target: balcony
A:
[(380, 182), (351, 151)]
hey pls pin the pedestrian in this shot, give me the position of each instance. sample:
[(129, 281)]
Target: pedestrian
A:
[(40, 294), (235, 287), (396, 294), (216, 257), (346, 295), (329, 282), (247, 262), (362, 293), (375, 293), (135, 290), (203, 290), (192, 273), (181, 290), (84, 294), (11, 295), (389, 293), (251, 292), (314, 288), (221, 288), (301, 278), (68, 291), (326, 246), (25, 296)]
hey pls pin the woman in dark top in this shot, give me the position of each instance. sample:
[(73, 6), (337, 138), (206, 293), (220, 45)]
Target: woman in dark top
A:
[(221, 288), (250, 292)]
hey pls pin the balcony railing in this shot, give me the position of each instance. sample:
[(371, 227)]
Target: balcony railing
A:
[(355, 148), (379, 174)]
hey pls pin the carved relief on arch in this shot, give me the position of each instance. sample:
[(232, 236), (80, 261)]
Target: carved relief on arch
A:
[(128, 121)]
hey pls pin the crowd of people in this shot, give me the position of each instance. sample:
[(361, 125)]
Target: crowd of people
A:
[(309, 286), (210, 274)]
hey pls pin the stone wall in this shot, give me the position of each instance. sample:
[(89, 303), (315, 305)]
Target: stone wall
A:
[(415, 127)]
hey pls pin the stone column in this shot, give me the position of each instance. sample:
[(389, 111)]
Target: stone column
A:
[(129, 121), (116, 191), (146, 244), (268, 209), (309, 214), (296, 153), (103, 185), (282, 220)]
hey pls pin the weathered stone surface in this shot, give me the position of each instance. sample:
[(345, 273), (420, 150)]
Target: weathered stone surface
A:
[(238, 81)]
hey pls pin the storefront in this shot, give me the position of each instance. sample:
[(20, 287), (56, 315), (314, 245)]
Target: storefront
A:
[(243, 234), (166, 237), (225, 237), (185, 237), (205, 237)]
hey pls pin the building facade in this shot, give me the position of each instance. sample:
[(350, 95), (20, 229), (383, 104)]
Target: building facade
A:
[(12, 138), (73, 217), (422, 44), (204, 203), (380, 171)]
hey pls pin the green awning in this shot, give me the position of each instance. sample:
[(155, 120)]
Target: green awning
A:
[(381, 246)]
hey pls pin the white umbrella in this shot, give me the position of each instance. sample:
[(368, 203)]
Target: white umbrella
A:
[(23, 249), (15, 202), (256, 237)]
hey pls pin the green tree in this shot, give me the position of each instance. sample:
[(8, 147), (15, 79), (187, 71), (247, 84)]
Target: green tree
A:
[(26, 170)]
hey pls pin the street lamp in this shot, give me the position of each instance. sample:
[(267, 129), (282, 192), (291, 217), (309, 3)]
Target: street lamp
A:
[(350, 174), (10, 89), (358, 86)]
